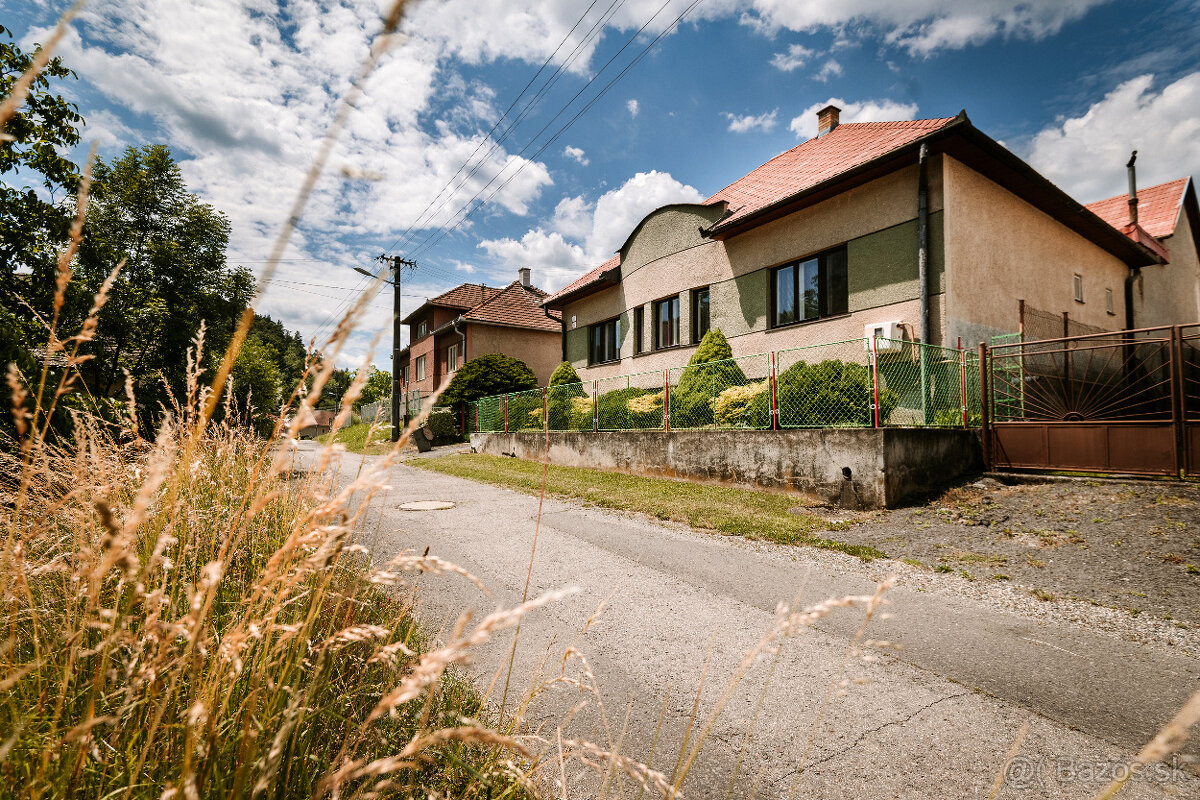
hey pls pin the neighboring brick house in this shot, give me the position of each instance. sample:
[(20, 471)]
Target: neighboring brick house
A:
[(826, 239), (1167, 293), (472, 320)]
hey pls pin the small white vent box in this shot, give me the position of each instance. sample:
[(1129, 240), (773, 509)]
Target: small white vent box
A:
[(890, 335)]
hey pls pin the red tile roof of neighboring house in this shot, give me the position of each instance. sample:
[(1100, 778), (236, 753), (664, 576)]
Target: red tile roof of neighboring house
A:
[(518, 306), (849, 145), (466, 295), (1158, 208)]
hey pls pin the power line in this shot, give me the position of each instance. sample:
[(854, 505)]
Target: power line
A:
[(433, 239), (408, 231)]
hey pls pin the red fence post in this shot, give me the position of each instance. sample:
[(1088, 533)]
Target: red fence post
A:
[(595, 412), (476, 415), (962, 356), (666, 400), (875, 379), (984, 415), (774, 396), (506, 413)]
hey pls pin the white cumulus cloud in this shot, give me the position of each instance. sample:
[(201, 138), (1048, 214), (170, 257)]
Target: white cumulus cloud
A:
[(742, 124), (805, 125), (577, 154), (797, 56), (633, 107), (583, 235), (1086, 155)]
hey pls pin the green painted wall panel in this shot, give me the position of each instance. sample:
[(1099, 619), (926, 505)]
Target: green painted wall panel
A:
[(883, 265)]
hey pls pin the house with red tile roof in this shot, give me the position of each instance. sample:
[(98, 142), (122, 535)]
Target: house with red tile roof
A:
[(926, 228), (1165, 217), (472, 320)]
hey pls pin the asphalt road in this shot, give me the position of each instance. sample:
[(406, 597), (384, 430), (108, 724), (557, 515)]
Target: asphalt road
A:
[(933, 719)]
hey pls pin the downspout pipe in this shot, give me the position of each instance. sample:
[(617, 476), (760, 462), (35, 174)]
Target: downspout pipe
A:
[(923, 268), (923, 239), (462, 335)]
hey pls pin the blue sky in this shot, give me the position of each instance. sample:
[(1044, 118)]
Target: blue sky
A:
[(242, 91)]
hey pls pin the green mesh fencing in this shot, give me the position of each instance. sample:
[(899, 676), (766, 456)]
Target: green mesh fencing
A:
[(1007, 380), (732, 393), (569, 407), (490, 414), (971, 376), (631, 402), (824, 386), (526, 410), (470, 422), (925, 380)]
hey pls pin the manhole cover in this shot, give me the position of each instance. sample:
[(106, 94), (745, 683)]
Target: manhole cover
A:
[(426, 505)]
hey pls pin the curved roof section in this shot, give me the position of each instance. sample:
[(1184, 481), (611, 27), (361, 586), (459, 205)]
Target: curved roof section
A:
[(699, 208)]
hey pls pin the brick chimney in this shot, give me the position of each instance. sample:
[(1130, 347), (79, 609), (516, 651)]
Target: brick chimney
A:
[(827, 119), (524, 273)]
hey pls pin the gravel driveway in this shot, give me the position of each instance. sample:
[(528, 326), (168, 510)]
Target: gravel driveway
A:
[(1130, 546)]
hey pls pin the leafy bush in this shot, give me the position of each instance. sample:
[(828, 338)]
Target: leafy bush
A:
[(444, 424), (829, 394), (487, 375), (625, 409), (563, 390), (731, 405), (710, 371)]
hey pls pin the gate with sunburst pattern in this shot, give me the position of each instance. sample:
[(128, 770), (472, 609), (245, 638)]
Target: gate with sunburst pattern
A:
[(1124, 402)]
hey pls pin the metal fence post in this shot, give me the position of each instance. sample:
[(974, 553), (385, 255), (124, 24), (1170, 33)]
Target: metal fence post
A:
[(595, 411), (1178, 402), (774, 395), (666, 399), (476, 415), (962, 357), (875, 379), (505, 401), (984, 416)]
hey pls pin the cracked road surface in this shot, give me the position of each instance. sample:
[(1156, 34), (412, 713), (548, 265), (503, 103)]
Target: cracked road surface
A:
[(935, 719)]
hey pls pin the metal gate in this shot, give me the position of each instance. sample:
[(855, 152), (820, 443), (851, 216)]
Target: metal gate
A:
[(1125, 402)]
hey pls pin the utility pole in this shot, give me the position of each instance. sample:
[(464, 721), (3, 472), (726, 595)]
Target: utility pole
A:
[(396, 263)]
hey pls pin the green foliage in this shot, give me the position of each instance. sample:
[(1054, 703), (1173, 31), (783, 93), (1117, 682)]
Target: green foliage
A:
[(564, 374), (487, 375), (256, 382), (444, 424), (710, 371), (377, 387), (33, 224), (564, 388), (335, 388), (288, 346), (174, 275), (629, 409), (829, 394)]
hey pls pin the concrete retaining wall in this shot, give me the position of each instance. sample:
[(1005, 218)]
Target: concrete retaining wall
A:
[(850, 467)]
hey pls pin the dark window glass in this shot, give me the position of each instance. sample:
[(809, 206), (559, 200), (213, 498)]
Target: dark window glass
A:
[(666, 322), (700, 314), (605, 341), (639, 329), (810, 289)]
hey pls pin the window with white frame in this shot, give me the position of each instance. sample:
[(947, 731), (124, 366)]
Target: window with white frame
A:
[(452, 358), (1078, 285), (420, 368)]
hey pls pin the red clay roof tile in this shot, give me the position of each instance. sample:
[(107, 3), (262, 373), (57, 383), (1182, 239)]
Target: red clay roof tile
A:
[(1158, 208), (465, 295), (518, 306), (812, 162)]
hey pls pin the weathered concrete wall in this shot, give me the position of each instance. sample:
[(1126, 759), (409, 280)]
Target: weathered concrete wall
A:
[(858, 468)]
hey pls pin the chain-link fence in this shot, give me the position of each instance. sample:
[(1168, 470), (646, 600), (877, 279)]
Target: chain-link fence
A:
[(855, 383), (732, 393), (631, 402), (825, 386)]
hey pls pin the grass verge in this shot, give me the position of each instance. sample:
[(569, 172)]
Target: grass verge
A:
[(738, 512), (364, 437)]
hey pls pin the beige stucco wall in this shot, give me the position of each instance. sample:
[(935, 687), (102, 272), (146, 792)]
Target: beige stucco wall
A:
[(668, 256), (541, 350), (1169, 294), (1000, 249)]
